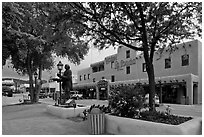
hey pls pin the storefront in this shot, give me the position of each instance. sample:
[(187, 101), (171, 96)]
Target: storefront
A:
[(178, 74)]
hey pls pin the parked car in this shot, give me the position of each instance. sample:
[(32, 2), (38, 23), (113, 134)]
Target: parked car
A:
[(50, 95), (42, 95), (75, 95), (156, 98), (7, 91)]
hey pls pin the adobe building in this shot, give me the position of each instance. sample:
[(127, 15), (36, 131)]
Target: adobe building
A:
[(178, 74)]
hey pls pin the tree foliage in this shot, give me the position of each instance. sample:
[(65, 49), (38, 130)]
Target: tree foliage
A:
[(31, 36)]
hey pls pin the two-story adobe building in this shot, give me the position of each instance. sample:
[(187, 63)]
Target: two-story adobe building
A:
[(178, 73)]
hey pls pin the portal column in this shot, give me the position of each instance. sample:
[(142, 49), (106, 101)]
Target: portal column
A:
[(97, 92), (189, 92)]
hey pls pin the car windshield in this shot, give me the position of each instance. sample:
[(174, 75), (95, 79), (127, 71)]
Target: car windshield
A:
[(74, 92)]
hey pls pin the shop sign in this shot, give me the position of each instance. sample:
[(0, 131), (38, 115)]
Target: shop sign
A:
[(110, 59), (102, 84), (122, 63)]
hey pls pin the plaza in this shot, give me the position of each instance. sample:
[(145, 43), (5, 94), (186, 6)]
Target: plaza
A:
[(34, 120)]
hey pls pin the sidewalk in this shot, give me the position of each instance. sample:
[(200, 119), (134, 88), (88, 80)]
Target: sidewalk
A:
[(34, 120)]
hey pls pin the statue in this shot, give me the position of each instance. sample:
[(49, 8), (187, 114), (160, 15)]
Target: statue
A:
[(66, 79)]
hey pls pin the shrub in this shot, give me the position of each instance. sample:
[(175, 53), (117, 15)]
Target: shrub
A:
[(126, 101), (162, 117)]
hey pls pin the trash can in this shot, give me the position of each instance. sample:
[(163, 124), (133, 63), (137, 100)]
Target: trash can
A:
[(96, 123)]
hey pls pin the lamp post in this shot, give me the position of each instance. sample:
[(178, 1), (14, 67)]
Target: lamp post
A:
[(60, 67), (35, 76)]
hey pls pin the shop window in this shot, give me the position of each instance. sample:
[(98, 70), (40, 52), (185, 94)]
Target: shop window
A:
[(167, 63), (185, 60), (128, 70), (84, 77), (128, 54), (112, 78), (144, 66)]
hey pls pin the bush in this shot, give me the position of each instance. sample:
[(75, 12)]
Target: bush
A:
[(161, 117), (126, 101)]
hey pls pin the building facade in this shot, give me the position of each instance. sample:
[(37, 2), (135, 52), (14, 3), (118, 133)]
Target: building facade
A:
[(178, 72)]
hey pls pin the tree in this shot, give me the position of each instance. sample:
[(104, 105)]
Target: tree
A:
[(151, 25), (35, 39)]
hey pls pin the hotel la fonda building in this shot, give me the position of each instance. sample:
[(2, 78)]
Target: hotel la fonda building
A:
[(178, 74)]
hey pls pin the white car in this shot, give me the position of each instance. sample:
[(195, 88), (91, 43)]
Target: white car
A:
[(75, 95), (156, 99)]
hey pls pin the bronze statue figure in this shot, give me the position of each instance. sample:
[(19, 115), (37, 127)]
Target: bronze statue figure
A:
[(66, 79)]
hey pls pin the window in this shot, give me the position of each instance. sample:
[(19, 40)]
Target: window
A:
[(185, 60), (80, 78), (128, 54), (167, 63), (112, 78), (84, 77), (94, 80), (94, 69), (112, 64), (144, 66), (128, 70), (88, 76), (103, 78)]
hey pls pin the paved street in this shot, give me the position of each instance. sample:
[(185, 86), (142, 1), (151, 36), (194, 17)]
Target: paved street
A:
[(34, 120)]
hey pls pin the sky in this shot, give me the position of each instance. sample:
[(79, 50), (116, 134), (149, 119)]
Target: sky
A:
[(94, 55)]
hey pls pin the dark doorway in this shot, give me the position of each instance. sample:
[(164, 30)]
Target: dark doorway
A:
[(169, 94)]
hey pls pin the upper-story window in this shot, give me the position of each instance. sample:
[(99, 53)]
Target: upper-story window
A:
[(101, 68), (128, 70), (112, 78), (98, 68), (88, 76), (185, 60), (112, 64), (144, 66), (128, 54), (94, 80), (85, 77), (167, 63), (80, 77), (95, 69)]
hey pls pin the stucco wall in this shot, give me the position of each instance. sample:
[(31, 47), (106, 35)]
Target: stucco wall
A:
[(136, 71)]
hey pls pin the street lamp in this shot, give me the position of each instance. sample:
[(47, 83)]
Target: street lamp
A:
[(35, 76), (60, 67)]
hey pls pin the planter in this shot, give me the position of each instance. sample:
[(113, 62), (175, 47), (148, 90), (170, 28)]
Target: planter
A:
[(65, 112), (127, 126)]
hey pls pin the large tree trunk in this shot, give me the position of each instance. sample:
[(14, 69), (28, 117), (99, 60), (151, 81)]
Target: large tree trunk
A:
[(150, 72), (39, 84), (30, 74)]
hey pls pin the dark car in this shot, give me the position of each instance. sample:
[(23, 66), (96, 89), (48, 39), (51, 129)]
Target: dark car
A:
[(7, 91), (42, 95)]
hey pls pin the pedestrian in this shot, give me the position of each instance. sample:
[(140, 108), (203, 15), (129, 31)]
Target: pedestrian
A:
[(66, 79)]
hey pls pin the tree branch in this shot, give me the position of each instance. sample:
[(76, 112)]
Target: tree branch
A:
[(130, 14)]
